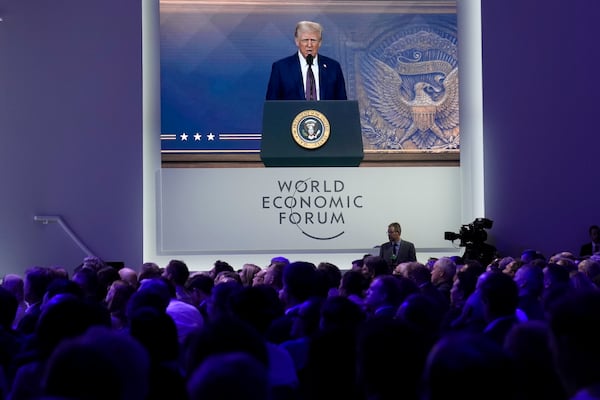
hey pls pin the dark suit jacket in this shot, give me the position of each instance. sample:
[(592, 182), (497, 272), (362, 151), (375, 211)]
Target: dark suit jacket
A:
[(286, 82), (406, 252), (586, 250), (498, 329), (27, 324)]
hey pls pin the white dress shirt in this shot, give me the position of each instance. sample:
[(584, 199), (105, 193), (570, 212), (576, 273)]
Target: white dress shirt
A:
[(315, 69)]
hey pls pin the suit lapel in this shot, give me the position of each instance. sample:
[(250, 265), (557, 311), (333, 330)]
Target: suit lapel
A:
[(297, 73)]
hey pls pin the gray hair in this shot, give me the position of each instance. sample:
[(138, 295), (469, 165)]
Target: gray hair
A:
[(308, 26)]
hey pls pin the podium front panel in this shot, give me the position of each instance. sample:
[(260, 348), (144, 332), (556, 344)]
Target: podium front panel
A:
[(280, 146)]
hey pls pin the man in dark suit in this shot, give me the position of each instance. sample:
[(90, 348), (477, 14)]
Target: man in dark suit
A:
[(396, 250), (500, 299), (594, 245), (289, 76)]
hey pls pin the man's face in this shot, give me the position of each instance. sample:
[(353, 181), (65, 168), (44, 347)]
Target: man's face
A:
[(308, 43), (456, 295), (269, 276), (437, 274), (374, 296), (393, 235), (520, 277), (595, 235)]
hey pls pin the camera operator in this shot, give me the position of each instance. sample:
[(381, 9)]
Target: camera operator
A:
[(473, 237)]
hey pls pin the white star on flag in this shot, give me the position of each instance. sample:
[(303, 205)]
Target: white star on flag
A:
[(197, 136), (211, 136), (184, 136)]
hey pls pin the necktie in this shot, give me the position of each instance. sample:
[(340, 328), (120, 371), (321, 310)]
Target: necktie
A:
[(311, 87), (394, 253)]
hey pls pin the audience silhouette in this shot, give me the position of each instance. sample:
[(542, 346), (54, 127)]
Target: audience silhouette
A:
[(521, 327)]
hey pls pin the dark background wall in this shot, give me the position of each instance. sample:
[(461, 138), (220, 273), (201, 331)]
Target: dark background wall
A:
[(71, 127), (71, 130), (540, 116)]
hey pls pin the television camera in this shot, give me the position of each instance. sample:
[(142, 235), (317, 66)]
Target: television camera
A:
[(472, 237)]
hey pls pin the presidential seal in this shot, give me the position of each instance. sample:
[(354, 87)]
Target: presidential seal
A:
[(310, 129)]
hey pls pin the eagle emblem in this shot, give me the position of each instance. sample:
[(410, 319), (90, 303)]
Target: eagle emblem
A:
[(413, 100)]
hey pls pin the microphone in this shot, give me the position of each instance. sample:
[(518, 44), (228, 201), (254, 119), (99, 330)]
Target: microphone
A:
[(309, 59)]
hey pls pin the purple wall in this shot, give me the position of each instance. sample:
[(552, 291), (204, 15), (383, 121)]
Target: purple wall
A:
[(71, 127), (541, 144)]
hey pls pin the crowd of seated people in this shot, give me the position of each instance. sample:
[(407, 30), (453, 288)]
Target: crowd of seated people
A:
[(521, 327)]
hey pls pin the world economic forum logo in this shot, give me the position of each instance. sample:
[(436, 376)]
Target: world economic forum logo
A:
[(310, 129), (318, 208)]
